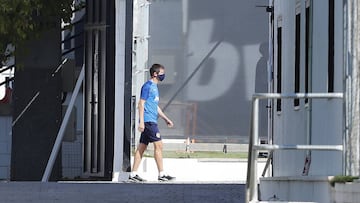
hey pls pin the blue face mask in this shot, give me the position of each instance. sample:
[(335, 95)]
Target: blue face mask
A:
[(161, 77)]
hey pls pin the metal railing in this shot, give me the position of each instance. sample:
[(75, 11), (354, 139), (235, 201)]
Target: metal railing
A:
[(255, 146), (61, 133), (8, 79)]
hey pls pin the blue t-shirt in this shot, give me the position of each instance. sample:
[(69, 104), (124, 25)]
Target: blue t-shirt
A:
[(150, 93)]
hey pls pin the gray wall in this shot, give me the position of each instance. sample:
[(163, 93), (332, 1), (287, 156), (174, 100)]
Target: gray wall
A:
[(5, 146), (182, 33)]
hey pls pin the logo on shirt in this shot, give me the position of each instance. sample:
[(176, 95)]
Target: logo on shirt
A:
[(156, 98)]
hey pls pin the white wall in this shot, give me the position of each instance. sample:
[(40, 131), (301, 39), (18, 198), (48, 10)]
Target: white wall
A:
[(327, 114), (290, 125), (118, 173)]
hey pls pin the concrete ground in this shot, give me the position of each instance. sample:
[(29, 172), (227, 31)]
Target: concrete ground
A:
[(99, 192), (207, 170), (197, 180), (200, 170), (203, 180)]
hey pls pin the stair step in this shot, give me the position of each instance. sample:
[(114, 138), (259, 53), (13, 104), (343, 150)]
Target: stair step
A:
[(279, 202)]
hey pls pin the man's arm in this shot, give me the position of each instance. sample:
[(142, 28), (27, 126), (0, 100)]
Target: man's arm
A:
[(141, 107), (169, 123)]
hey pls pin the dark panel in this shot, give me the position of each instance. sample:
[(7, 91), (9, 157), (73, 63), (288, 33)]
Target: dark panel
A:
[(35, 132), (297, 59), (110, 89), (331, 46), (99, 88), (79, 42), (128, 86), (279, 66), (307, 51)]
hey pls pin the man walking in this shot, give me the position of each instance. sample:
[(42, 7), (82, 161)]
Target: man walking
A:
[(149, 111)]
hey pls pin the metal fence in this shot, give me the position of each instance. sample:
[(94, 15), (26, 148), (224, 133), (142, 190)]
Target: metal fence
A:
[(255, 146)]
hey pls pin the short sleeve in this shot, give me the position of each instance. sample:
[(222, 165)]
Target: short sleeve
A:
[(145, 89)]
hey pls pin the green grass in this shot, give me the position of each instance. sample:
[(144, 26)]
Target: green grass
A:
[(199, 154), (342, 179)]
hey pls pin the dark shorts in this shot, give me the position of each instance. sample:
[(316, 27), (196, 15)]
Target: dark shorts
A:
[(151, 133)]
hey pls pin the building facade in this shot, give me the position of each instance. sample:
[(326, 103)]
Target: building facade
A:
[(307, 53)]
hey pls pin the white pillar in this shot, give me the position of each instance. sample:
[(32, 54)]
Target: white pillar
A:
[(141, 53), (352, 83), (120, 23)]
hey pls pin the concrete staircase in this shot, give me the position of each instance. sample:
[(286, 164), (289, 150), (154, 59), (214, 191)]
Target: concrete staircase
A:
[(296, 189)]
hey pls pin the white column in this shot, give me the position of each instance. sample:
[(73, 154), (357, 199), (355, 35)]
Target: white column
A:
[(141, 51), (120, 22), (352, 81)]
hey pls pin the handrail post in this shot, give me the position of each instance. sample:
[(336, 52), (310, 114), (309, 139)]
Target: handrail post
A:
[(250, 164), (251, 182), (267, 163), (254, 151)]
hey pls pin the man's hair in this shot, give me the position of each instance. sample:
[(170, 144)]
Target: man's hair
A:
[(155, 68)]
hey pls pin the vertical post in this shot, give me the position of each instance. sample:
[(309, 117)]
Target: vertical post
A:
[(352, 93), (122, 109), (95, 107), (248, 192), (119, 108), (345, 83), (270, 73), (141, 34), (309, 109), (251, 184), (355, 136), (254, 151)]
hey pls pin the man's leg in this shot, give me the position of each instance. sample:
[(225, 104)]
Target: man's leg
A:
[(138, 156), (137, 159), (158, 146)]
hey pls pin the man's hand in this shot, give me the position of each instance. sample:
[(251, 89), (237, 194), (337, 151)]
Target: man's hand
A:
[(141, 127), (169, 123)]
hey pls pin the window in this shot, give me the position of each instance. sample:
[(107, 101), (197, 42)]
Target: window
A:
[(331, 47), (279, 64), (297, 59), (307, 50)]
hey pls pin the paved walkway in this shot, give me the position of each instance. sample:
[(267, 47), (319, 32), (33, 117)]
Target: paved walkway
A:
[(103, 192), (198, 180), (200, 170), (203, 180)]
